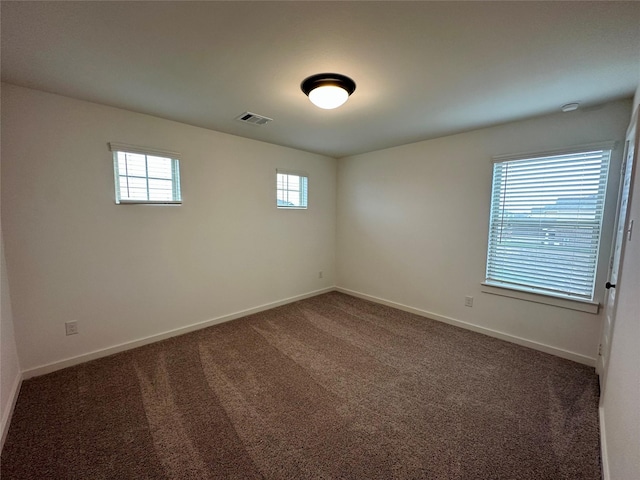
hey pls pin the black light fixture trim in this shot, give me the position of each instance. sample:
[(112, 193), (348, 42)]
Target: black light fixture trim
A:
[(324, 79)]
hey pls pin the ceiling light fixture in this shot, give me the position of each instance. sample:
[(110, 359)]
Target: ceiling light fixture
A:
[(328, 90)]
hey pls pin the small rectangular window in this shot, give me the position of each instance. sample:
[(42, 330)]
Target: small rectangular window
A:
[(546, 221), (291, 189), (145, 175)]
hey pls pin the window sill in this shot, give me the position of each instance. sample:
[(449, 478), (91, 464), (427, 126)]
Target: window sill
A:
[(530, 296), (146, 202)]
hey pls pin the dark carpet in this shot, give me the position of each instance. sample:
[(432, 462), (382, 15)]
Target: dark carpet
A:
[(331, 387)]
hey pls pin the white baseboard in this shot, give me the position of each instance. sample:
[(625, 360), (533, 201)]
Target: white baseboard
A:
[(69, 362), (58, 365), (576, 357), (8, 413), (603, 446)]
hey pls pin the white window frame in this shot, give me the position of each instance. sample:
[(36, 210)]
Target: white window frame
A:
[(303, 192), (134, 149), (510, 287)]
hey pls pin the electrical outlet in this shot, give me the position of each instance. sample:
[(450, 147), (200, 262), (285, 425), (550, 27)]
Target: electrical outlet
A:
[(468, 301), (71, 328), (320, 274)]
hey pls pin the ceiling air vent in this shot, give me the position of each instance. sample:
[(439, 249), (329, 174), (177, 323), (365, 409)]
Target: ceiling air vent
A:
[(253, 119)]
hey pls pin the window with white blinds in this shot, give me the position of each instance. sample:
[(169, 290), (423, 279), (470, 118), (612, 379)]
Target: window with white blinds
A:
[(145, 176), (291, 189), (546, 221)]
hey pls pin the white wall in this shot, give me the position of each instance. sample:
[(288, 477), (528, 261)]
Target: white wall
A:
[(413, 222), (412, 227), (620, 405), (10, 375), (132, 271), (9, 365)]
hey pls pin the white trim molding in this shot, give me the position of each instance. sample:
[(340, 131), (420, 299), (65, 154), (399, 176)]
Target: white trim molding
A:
[(542, 347), (125, 147), (11, 405), (54, 366), (607, 145), (603, 446), (586, 306), (69, 362)]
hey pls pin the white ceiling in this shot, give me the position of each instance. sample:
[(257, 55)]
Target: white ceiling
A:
[(422, 69)]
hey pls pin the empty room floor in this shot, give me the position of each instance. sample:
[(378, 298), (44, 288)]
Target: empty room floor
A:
[(328, 387)]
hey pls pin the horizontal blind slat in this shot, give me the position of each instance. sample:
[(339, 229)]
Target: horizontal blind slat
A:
[(145, 176), (546, 218)]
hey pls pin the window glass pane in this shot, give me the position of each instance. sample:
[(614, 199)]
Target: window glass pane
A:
[(137, 188), (546, 218), (124, 187), (159, 167), (146, 178), (293, 182), (291, 191), (122, 162), (160, 189), (294, 198), (283, 196), (282, 182), (135, 165)]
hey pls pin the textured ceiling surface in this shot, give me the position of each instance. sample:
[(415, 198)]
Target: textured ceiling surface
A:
[(422, 69)]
